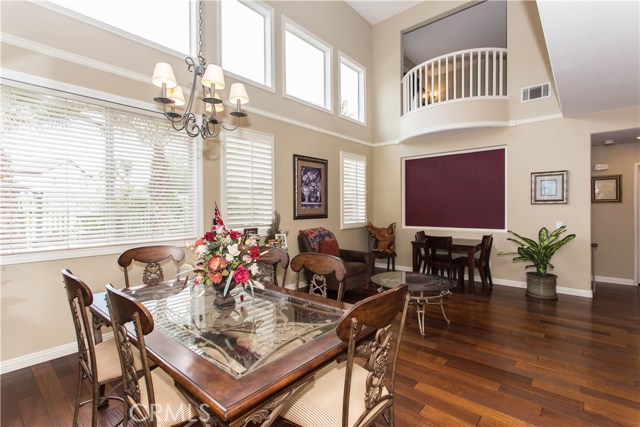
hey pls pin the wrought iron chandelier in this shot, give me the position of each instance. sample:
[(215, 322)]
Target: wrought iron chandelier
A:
[(212, 79)]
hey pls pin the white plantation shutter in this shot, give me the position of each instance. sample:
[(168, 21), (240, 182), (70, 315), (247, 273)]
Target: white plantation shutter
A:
[(354, 190), (248, 180), (75, 175)]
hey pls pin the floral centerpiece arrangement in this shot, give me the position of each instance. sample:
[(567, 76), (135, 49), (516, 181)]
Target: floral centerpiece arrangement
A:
[(224, 259)]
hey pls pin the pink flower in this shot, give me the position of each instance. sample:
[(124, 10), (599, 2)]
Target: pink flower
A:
[(208, 236), (241, 275), (255, 252), (216, 263), (199, 242), (215, 277), (235, 235)]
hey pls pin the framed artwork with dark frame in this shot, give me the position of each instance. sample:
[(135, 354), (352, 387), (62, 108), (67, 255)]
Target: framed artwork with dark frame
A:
[(310, 187), (606, 189), (549, 187)]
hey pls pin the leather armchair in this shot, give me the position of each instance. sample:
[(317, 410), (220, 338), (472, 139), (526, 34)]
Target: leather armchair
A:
[(359, 264)]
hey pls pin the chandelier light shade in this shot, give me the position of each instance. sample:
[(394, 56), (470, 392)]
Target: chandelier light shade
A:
[(211, 80)]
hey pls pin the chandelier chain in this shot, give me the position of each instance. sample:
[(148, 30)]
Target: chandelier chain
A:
[(200, 54)]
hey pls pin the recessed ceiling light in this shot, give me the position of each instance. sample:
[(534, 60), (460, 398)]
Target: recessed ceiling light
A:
[(608, 142)]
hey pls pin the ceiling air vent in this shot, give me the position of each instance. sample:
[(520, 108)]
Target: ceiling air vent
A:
[(535, 92)]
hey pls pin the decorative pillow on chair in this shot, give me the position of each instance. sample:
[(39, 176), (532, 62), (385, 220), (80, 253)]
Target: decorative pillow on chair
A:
[(329, 247)]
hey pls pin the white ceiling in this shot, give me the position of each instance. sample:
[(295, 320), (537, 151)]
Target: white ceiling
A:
[(378, 10)]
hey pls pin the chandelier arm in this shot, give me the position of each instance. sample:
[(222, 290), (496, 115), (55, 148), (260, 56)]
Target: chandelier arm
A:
[(190, 125), (232, 127)]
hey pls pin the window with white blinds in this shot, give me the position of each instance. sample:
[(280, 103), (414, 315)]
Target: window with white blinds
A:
[(80, 174), (247, 177), (353, 183)]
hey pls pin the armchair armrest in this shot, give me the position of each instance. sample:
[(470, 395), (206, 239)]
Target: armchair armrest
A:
[(358, 256)]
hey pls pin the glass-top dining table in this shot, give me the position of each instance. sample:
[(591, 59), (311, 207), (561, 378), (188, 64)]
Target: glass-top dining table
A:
[(244, 362)]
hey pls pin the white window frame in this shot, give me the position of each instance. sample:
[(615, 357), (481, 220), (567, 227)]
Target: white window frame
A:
[(269, 51), (193, 25), (361, 199), (56, 88), (251, 136), (362, 84), (289, 26)]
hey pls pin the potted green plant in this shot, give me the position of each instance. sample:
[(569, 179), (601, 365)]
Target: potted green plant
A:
[(540, 284)]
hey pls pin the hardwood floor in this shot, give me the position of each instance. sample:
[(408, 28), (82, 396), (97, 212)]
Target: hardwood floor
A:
[(504, 360)]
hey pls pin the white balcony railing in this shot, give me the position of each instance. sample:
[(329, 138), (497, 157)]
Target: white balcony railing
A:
[(472, 73)]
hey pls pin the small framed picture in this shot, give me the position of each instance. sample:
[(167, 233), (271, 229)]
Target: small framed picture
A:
[(282, 240), (549, 187), (249, 231), (606, 189)]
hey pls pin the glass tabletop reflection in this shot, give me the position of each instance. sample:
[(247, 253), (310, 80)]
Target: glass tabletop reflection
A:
[(263, 326)]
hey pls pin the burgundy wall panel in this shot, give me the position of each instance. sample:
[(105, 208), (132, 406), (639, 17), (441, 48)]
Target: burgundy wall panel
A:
[(459, 190)]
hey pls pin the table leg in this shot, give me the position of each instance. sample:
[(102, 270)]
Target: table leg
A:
[(421, 308), (470, 267)]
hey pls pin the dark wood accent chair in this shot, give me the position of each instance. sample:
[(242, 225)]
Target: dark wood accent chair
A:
[(144, 394), (321, 267), (440, 255), (385, 250), (97, 362), (423, 257), (359, 264), (270, 258), (481, 262), (151, 256), (367, 390)]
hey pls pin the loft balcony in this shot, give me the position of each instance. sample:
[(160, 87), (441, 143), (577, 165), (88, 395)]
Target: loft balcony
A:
[(464, 89)]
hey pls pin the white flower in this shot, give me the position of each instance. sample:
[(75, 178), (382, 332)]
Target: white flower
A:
[(201, 249), (233, 250), (229, 257), (254, 269)]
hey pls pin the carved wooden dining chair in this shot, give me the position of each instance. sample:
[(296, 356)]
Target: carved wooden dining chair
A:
[(97, 362), (270, 258), (367, 390), (322, 267), (481, 262), (151, 256), (150, 397)]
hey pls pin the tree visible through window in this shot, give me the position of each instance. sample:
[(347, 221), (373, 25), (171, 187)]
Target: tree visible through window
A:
[(352, 89)]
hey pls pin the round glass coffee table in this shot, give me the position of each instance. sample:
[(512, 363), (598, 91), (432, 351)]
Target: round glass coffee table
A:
[(424, 289)]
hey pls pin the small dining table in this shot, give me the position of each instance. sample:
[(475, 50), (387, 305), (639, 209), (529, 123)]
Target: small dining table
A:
[(469, 247), (243, 363)]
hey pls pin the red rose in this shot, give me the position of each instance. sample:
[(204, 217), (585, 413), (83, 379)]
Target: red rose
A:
[(209, 236), (255, 252), (235, 235), (241, 275)]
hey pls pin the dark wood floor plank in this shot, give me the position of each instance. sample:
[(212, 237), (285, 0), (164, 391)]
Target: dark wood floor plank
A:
[(34, 412)]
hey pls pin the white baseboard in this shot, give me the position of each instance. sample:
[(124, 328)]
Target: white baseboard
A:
[(587, 293), (42, 356), (615, 280)]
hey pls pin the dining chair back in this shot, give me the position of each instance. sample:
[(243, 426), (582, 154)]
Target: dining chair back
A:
[(151, 256), (270, 258), (321, 267), (481, 262), (440, 256), (367, 387), (97, 363), (150, 397), (423, 256)]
